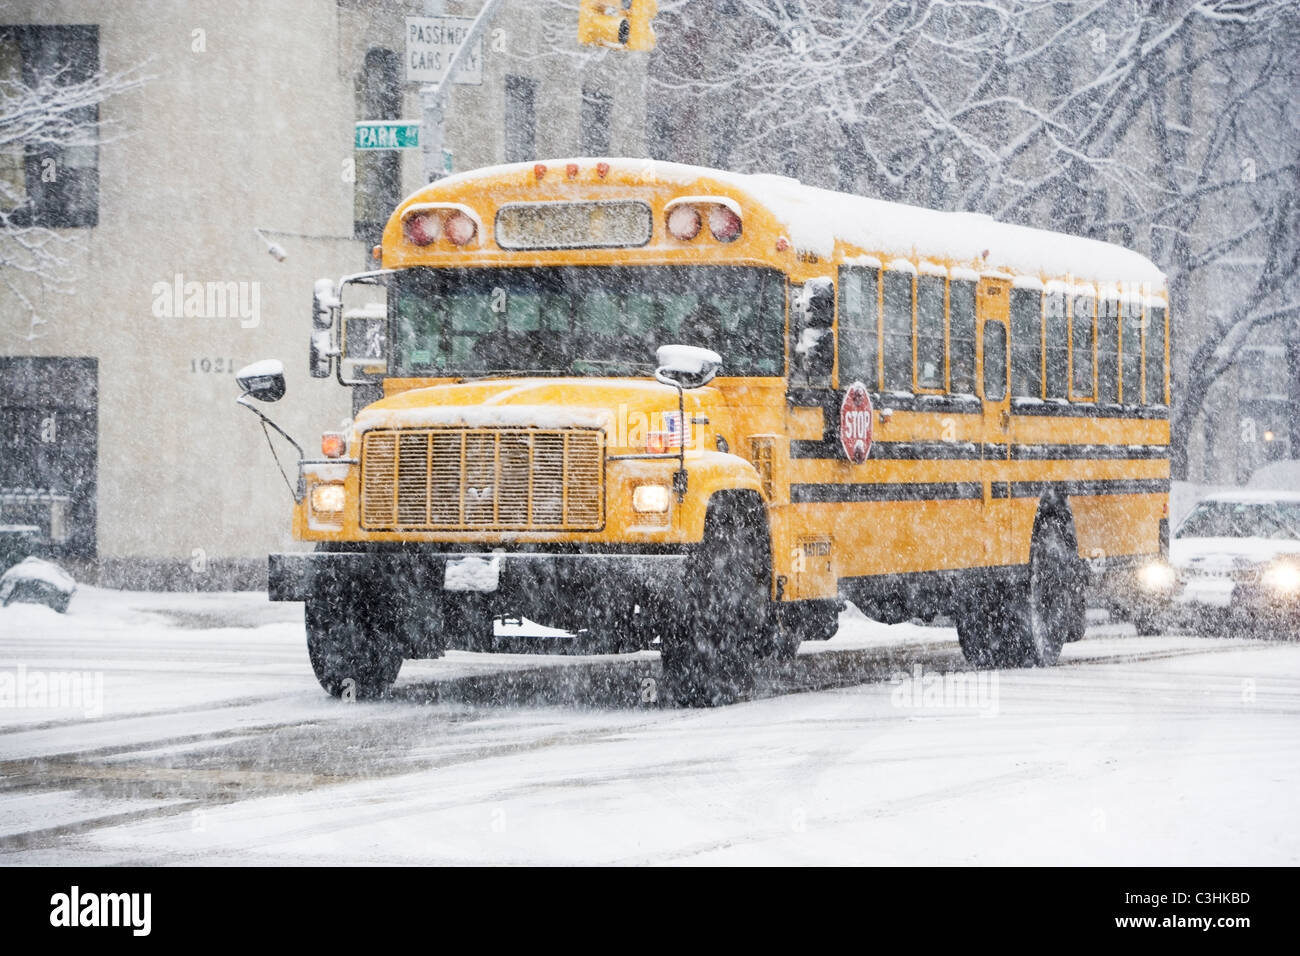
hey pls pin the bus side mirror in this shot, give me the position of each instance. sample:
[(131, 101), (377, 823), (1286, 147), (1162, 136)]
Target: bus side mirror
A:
[(686, 366), (324, 301), (263, 380), (319, 353)]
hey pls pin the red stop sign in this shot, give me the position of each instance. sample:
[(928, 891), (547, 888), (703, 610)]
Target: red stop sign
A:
[(855, 423)]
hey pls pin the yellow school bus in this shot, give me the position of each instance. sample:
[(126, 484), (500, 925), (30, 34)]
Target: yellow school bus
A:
[(665, 406)]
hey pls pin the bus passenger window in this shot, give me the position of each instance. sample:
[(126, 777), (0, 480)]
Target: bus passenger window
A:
[(1155, 338), (961, 336), (1108, 351), (1082, 330), (859, 328), (1026, 343), (898, 332), (929, 332), (995, 361), (1131, 344), (1058, 345)]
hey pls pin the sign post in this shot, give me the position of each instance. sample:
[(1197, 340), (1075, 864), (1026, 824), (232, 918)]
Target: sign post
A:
[(441, 50)]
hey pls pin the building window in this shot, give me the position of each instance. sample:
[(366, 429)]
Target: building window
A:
[(597, 112), (52, 185), (379, 172), (521, 119)]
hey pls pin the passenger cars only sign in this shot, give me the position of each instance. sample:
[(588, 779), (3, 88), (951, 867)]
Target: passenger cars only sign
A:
[(855, 423)]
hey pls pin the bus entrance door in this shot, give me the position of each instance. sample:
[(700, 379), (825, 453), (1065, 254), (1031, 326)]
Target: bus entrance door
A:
[(995, 439)]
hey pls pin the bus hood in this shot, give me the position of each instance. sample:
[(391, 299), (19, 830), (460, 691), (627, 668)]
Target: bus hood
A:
[(624, 407)]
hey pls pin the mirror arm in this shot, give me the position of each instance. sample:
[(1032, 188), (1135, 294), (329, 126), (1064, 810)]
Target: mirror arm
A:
[(301, 490), (679, 477)]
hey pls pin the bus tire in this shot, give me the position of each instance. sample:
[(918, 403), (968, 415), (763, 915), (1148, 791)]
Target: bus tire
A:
[(1054, 611), (1147, 623), (468, 623), (352, 648), (709, 657), (799, 621), (989, 626)]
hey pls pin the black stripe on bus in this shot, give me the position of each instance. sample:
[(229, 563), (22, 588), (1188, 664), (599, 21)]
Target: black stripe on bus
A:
[(966, 490), (1040, 452), (885, 491), (1088, 410), (890, 450), (970, 451), (1090, 488)]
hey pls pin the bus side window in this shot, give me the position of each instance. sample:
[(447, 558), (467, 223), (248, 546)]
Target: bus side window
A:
[(1155, 350), (1058, 345), (859, 326), (929, 332), (1108, 350), (1082, 331), (995, 361), (898, 332), (1026, 343), (961, 335), (813, 321), (1131, 344)]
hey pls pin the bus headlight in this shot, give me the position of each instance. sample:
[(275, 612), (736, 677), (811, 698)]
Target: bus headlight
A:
[(1157, 576), (650, 499), (1283, 577), (328, 499)]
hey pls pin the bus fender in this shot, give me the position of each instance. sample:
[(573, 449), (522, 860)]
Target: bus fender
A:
[(713, 474)]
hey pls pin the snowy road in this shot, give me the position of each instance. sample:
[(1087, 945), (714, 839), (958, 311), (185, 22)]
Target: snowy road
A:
[(202, 737)]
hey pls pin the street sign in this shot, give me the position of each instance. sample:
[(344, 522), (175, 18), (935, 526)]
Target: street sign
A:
[(431, 42), (387, 134)]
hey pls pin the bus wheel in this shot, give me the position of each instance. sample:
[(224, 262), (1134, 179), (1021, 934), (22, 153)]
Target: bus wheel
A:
[(1055, 611), (708, 658), (352, 649), (799, 621), (468, 623), (989, 626)]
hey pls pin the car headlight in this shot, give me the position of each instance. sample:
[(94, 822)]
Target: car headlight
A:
[(1157, 576), (1283, 577), (650, 499), (327, 498)]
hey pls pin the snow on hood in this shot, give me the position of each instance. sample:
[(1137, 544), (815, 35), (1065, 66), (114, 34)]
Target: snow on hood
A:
[(1229, 551), (816, 218), (524, 402)]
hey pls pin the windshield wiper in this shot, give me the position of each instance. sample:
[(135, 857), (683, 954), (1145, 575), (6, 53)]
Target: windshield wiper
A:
[(510, 373)]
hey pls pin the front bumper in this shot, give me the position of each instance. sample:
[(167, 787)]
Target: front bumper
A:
[(298, 576)]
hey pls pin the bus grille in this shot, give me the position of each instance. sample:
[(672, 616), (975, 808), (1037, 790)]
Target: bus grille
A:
[(473, 479)]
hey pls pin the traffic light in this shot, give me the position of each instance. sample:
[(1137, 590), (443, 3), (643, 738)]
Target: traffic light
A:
[(641, 31), (603, 23), (621, 24)]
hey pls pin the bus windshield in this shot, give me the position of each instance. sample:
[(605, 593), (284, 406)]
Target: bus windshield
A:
[(583, 320)]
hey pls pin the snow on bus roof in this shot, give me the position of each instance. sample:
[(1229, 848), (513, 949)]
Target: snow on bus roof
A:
[(816, 218)]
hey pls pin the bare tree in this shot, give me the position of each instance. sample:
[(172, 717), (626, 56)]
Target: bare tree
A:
[(1091, 115), (37, 118)]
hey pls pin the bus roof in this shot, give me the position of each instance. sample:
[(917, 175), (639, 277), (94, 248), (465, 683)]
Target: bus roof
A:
[(817, 218)]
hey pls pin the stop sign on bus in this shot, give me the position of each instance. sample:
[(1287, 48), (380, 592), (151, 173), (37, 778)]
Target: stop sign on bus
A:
[(855, 423)]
